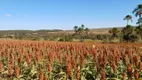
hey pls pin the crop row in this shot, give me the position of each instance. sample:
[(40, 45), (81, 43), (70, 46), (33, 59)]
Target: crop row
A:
[(41, 60)]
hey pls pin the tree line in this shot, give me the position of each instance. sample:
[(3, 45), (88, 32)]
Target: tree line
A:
[(130, 33)]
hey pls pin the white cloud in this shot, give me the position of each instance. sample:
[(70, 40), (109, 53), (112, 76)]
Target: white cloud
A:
[(8, 15)]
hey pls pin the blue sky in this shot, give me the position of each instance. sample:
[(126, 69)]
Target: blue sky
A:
[(64, 14)]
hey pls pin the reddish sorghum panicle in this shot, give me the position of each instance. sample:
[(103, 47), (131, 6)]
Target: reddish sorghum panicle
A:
[(78, 74), (41, 75), (60, 57), (69, 69), (45, 78), (136, 60), (131, 60), (49, 66), (20, 58), (140, 65), (17, 71), (114, 67), (117, 59), (1, 65), (74, 64), (9, 70), (136, 74), (81, 60), (103, 75), (124, 76), (129, 70), (28, 59), (94, 53)]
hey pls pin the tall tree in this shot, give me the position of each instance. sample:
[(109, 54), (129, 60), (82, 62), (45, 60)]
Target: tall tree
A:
[(138, 12), (76, 29), (139, 28), (82, 26), (139, 21), (80, 31), (128, 18)]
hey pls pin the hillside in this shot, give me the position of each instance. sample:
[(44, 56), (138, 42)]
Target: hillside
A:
[(95, 30)]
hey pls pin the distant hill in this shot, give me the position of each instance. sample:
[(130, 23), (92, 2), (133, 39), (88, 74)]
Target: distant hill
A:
[(96, 30)]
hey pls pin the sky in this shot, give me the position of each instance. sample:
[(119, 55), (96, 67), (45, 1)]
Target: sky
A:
[(64, 14)]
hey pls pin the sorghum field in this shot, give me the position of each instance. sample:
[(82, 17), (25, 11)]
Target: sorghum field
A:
[(44, 60)]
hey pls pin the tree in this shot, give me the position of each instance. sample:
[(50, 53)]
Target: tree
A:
[(76, 29), (81, 32), (114, 32), (129, 34), (82, 26), (138, 12), (139, 30), (128, 30), (86, 30), (128, 18), (139, 21)]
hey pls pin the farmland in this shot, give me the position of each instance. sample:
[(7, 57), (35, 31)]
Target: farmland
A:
[(50, 60), (70, 40)]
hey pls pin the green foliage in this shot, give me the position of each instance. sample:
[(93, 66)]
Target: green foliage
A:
[(138, 11), (128, 30), (129, 34), (139, 22), (66, 38), (81, 32), (114, 32), (139, 30)]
